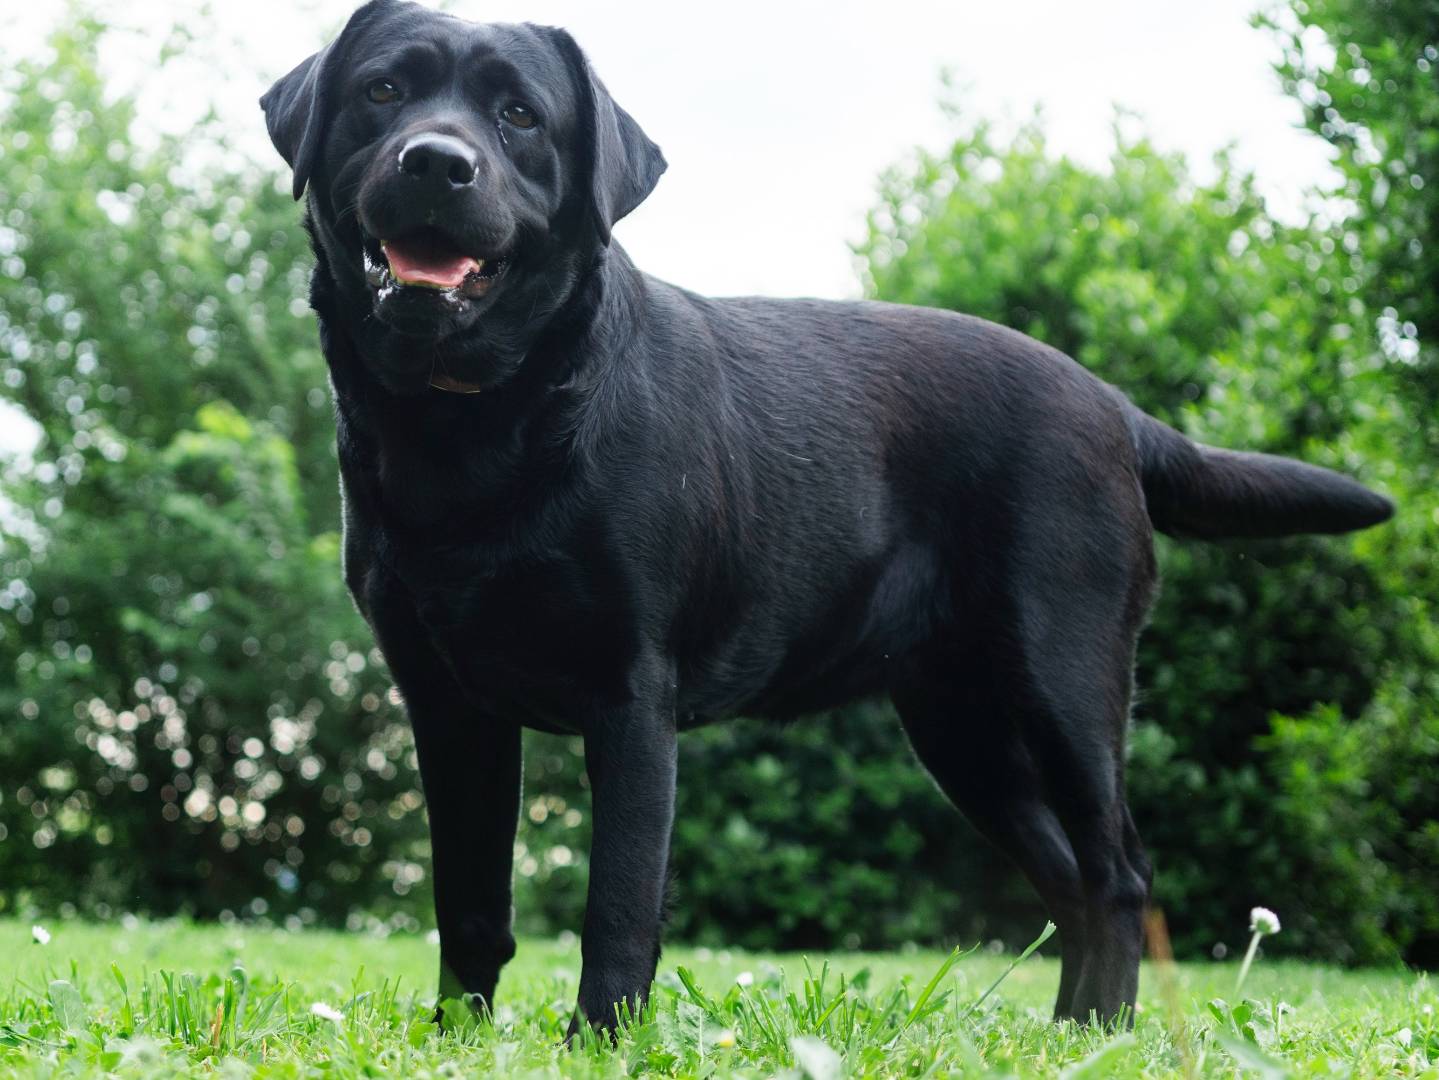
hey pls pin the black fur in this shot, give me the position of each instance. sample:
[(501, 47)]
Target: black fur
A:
[(663, 510)]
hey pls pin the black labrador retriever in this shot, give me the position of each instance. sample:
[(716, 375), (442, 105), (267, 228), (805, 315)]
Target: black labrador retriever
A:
[(579, 499)]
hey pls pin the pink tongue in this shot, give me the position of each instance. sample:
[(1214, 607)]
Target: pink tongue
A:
[(421, 265)]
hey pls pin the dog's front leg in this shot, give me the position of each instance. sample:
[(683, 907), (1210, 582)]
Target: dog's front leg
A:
[(470, 772), (470, 769), (630, 756)]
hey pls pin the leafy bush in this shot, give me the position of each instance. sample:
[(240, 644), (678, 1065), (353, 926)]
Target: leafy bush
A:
[(1243, 331), (1368, 76), (193, 717)]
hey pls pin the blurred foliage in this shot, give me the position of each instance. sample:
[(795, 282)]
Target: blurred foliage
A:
[(1367, 74), (197, 720), (1366, 788), (1288, 716)]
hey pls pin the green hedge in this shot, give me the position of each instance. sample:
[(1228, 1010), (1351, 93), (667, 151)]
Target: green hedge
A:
[(193, 718)]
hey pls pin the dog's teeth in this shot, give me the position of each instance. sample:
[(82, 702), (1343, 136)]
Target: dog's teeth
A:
[(375, 273), (479, 265)]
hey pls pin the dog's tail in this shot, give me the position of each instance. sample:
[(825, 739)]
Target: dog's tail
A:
[(1200, 491)]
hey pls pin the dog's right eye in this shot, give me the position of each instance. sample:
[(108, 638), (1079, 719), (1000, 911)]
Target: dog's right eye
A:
[(382, 92)]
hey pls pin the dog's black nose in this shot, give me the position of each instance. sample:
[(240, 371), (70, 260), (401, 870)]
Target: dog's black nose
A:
[(440, 161)]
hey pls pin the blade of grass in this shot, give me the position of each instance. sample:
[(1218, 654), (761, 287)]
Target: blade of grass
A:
[(1045, 935), (934, 980), (697, 995)]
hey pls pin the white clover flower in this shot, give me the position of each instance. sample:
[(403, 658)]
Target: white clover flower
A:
[(39, 935), (745, 978), (1263, 921), (327, 1012)]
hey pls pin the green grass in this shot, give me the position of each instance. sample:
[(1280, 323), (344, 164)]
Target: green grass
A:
[(175, 999)]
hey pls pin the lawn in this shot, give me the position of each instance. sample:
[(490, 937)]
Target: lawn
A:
[(176, 999)]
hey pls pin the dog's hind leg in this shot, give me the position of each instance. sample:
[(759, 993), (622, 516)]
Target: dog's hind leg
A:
[(1071, 676), (1021, 716), (1041, 778), (964, 735)]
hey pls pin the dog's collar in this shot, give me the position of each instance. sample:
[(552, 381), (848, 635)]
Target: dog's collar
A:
[(441, 380), (454, 386)]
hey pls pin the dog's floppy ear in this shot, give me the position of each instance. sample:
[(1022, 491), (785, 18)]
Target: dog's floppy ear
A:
[(623, 164), (297, 107)]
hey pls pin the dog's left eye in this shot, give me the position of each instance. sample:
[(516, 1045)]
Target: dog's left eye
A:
[(382, 91), (521, 116)]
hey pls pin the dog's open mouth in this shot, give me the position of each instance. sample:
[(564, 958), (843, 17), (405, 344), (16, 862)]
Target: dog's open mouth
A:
[(429, 259)]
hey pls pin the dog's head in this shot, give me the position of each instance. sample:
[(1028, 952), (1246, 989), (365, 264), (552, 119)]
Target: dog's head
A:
[(461, 176)]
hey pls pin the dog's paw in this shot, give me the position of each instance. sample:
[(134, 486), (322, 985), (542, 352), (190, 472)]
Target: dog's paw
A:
[(584, 1033)]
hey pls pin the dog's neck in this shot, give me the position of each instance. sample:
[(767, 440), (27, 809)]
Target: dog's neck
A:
[(442, 460)]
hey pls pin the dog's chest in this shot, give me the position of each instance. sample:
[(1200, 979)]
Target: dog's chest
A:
[(542, 638)]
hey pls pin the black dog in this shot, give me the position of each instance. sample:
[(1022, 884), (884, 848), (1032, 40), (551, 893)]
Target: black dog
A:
[(583, 500)]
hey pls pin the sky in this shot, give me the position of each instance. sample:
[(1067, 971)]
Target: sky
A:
[(777, 116)]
